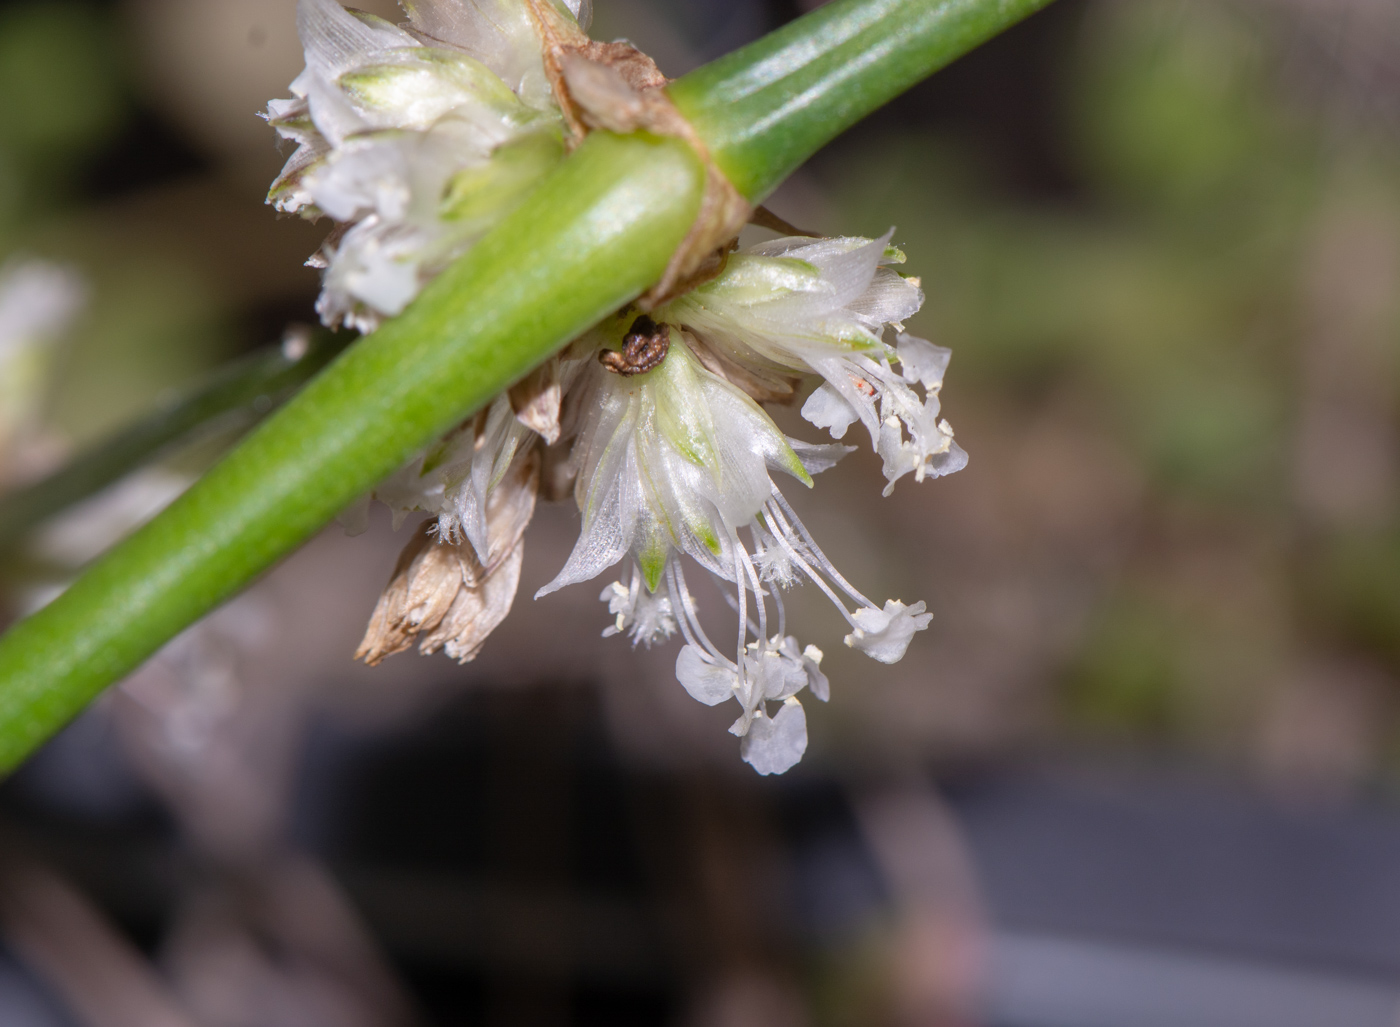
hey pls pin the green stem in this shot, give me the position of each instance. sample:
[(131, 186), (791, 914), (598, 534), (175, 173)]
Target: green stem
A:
[(764, 109), (235, 396), (595, 234)]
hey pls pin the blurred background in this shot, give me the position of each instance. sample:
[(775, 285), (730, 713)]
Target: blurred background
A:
[(1142, 769)]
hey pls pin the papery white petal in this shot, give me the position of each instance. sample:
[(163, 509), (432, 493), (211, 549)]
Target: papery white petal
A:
[(816, 681), (819, 458), (337, 40), (499, 33), (706, 681), (884, 635), (921, 361), (373, 266), (776, 745), (648, 615), (827, 408), (888, 299)]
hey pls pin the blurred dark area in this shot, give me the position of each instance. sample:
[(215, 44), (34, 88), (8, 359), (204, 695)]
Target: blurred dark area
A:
[(1140, 772)]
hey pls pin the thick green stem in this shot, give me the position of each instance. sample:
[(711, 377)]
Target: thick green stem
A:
[(766, 108), (236, 396), (594, 235)]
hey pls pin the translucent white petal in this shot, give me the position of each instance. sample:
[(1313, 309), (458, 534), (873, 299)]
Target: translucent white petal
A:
[(884, 635), (816, 681), (337, 40), (921, 361), (827, 408), (846, 265), (776, 745), (705, 680), (499, 33), (948, 462), (609, 524), (819, 458), (888, 299)]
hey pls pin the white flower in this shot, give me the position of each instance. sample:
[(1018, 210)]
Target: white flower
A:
[(774, 746), (646, 614), (415, 139), (884, 635), (455, 478), (676, 461), (799, 305)]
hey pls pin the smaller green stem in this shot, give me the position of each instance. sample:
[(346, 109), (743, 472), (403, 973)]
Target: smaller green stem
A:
[(764, 109), (235, 396)]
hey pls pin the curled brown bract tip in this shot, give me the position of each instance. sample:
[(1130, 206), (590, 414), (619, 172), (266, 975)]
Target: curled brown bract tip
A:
[(616, 87)]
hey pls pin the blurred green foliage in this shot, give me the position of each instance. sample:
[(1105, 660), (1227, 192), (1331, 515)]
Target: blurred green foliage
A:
[(61, 71), (152, 321), (1168, 296), (1130, 673), (1351, 589)]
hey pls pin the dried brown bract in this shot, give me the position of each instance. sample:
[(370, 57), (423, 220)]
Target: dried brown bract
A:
[(614, 86), (441, 590), (536, 399)]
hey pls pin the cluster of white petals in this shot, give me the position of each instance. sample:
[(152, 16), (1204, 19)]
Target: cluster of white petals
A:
[(821, 306), (415, 139)]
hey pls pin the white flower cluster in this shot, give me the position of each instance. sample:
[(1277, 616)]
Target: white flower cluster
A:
[(652, 421), (414, 139)]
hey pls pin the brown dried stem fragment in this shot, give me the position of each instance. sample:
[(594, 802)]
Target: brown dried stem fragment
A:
[(536, 400), (765, 218), (616, 87)]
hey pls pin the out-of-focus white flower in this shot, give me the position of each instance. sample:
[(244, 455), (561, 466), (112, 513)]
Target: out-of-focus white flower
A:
[(415, 139), (822, 306), (38, 300)]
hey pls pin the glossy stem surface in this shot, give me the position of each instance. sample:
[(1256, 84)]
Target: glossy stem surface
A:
[(765, 108)]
